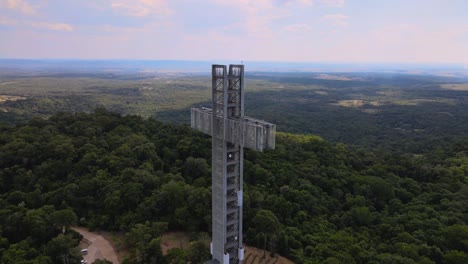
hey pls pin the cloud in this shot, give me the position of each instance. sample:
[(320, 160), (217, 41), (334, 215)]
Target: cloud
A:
[(18, 5), (329, 3), (52, 26), (114, 29), (256, 16), (35, 24), (142, 8), (339, 20), (397, 42), (260, 16), (25, 8), (332, 3), (297, 28), (7, 22)]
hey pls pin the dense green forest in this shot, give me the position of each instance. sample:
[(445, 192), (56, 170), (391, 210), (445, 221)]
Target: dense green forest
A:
[(404, 113), (309, 200)]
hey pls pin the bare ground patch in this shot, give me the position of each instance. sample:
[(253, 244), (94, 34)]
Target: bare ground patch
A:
[(350, 103), (422, 100), (321, 92), (257, 256), (358, 103), (174, 240), (455, 86), (6, 83), (4, 98), (325, 76), (117, 240), (98, 246)]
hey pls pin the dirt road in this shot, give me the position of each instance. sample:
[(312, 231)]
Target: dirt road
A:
[(98, 247)]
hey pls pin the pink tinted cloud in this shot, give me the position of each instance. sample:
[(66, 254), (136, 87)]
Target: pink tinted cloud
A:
[(52, 26), (403, 43), (141, 8), (297, 27), (21, 24), (332, 3), (7, 22), (329, 3), (257, 16), (339, 20), (18, 5)]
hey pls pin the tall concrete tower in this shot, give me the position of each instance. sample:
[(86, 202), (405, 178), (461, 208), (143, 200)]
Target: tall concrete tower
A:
[(231, 131)]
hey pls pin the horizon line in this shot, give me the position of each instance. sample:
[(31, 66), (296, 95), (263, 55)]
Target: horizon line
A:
[(242, 61)]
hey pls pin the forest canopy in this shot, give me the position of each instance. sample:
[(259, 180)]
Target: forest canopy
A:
[(309, 200)]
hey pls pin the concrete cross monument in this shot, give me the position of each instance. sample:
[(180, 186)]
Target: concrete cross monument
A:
[(231, 131)]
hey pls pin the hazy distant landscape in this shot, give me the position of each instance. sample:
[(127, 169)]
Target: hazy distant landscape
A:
[(412, 108)]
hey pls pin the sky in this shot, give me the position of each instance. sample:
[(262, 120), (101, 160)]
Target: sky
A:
[(351, 31)]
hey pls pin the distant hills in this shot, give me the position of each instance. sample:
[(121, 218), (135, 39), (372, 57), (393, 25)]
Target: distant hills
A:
[(154, 66)]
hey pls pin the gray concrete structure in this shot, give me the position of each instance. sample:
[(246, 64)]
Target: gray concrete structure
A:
[(231, 131)]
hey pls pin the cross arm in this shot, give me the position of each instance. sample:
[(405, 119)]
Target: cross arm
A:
[(202, 120), (247, 131)]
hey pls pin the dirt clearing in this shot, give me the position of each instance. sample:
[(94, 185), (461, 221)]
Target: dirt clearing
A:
[(98, 247), (252, 255)]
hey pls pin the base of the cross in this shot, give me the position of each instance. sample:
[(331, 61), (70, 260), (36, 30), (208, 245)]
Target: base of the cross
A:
[(212, 261)]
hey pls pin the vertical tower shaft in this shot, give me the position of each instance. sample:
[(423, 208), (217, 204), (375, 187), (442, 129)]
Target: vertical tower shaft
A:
[(227, 164)]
